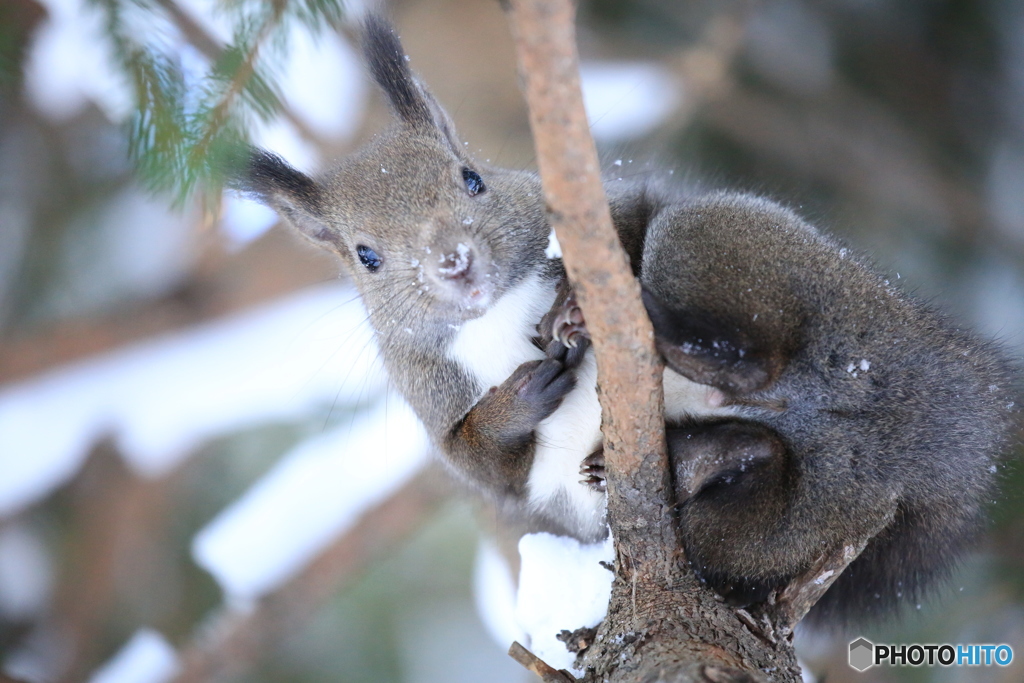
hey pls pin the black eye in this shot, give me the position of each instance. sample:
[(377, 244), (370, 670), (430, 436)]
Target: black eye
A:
[(368, 257), (474, 183)]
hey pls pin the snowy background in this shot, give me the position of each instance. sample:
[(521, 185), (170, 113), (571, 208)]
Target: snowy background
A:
[(192, 415)]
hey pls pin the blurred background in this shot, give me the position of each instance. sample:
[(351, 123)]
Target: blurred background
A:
[(203, 473)]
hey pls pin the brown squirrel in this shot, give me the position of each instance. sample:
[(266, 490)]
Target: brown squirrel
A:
[(806, 397)]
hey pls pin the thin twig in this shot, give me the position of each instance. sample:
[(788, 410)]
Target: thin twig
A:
[(545, 671), (239, 81), (798, 596), (210, 47)]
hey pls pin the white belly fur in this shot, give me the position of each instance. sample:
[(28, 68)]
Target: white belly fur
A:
[(491, 347)]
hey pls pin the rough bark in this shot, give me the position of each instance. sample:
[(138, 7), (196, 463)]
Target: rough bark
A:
[(662, 624), (629, 369)]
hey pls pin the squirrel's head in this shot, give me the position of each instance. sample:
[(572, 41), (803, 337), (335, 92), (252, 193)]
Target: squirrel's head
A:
[(428, 234)]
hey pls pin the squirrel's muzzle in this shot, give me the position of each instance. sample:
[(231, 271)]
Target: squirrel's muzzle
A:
[(462, 270)]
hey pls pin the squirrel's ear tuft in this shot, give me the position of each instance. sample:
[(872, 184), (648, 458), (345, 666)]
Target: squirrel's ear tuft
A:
[(294, 195), (264, 174), (386, 61)]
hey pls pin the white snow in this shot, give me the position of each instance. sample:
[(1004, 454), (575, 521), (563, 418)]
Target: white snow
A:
[(561, 586), (459, 261), (163, 398), (146, 658), (311, 496), (626, 100), (554, 249), (26, 579), (243, 220), (323, 83), (494, 591), (69, 64)]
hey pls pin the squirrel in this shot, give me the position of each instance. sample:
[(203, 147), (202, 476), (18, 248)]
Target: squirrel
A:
[(806, 397)]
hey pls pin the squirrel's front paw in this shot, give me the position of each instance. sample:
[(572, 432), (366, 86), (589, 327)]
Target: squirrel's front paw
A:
[(592, 469), (568, 325), (540, 386)]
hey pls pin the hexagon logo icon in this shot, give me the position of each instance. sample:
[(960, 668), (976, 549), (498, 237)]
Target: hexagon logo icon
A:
[(862, 654)]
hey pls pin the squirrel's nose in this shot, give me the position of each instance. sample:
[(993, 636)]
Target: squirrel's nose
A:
[(456, 263), (462, 269)]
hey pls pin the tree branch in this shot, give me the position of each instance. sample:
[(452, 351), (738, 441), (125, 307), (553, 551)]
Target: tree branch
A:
[(629, 368), (545, 671), (234, 640), (117, 516), (792, 603), (212, 49), (662, 624), (274, 265)]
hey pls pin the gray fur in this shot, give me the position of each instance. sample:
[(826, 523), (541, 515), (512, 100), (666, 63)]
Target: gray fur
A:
[(876, 400), (844, 396)]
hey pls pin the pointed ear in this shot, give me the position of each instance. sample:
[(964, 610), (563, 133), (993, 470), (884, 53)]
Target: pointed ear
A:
[(294, 195), (386, 61), (443, 122)]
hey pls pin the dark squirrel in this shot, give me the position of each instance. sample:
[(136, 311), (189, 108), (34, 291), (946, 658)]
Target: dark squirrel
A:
[(806, 397)]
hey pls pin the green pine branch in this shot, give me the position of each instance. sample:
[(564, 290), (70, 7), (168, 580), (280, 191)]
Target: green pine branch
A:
[(185, 133)]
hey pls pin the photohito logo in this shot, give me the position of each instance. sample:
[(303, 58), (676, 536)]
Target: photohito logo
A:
[(864, 654)]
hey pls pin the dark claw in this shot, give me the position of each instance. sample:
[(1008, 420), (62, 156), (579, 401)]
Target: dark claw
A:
[(569, 327), (571, 357), (595, 461), (592, 469)]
